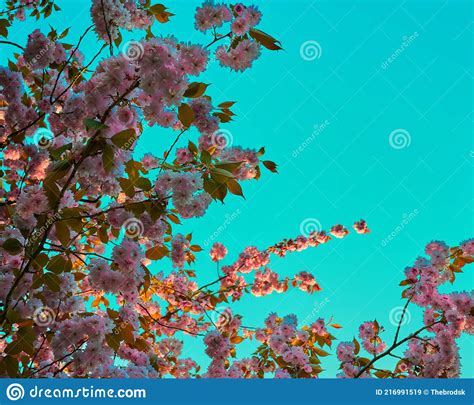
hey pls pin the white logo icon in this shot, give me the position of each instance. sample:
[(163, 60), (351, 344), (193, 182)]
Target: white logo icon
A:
[(15, 392)]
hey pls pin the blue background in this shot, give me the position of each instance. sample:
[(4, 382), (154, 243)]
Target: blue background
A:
[(349, 170)]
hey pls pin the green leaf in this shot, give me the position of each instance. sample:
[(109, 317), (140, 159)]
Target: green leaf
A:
[(59, 264), (206, 157), (127, 187), (320, 352), (195, 89), (186, 115), (222, 117), (62, 233), (234, 187), (93, 124), (10, 364), (103, 235), (131, 168), (118, 39), (13, 316), (125, 139), (4, 24), (12, 246), (156, 252), (221, 175), (57, 153), (52, 281), (113, 341), (356, 346), (193, 148), (229, 166), (108, 158), (143, 183)]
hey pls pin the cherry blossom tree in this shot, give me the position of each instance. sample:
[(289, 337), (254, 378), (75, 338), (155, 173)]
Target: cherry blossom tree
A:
[(83, 220)]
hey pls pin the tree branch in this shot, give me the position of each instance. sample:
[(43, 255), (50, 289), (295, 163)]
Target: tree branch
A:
[(394, 346)]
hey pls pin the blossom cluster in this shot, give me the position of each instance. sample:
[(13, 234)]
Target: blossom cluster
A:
[(445, 316), (111, 15), (285, 350), (242, 19)]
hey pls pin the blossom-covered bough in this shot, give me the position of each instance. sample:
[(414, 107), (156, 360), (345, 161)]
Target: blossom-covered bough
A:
[(446, 316), (83, 220)]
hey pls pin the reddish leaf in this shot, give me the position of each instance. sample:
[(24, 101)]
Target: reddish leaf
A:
[(266, 40)]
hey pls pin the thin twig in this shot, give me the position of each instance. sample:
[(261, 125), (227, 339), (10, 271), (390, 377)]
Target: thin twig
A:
[(12, 43), (394, 346), (67, 63), (171, 147), (107, 28), (216, 39), (168, 326)]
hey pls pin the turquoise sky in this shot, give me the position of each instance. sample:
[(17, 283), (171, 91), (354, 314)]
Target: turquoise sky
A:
[(382, 66)]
